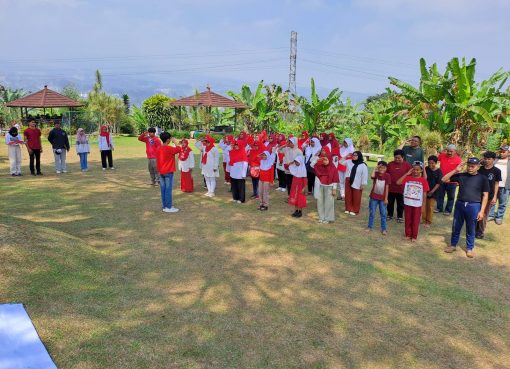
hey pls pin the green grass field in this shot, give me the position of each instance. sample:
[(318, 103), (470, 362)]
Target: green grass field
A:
[(112, 282)]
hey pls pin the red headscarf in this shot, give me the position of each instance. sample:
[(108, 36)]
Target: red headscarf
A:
[(327, 174), (237, 155), (305, 138), (208, 148), (185, 150), (229, 139), (334, 144), (253, 156), (104, 133), (242, 138), (324, 139)]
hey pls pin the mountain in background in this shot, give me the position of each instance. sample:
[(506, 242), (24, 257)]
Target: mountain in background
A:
[(140, 88)]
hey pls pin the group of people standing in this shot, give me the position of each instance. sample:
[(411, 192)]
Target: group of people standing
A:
[(329, 170), (59, 141)]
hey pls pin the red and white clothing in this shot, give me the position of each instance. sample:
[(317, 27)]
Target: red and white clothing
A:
[(186, 165), (210, 161), (296, 197), (266, 177), (415, 189), (345, 155)]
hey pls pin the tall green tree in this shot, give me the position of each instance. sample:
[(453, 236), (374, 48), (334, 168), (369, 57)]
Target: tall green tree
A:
[(110, 108), (158, 111), (315, 110)]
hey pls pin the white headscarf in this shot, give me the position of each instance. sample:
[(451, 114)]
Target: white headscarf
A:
[(344, 151), (294, 141), (266, 164), (298, 171), (310, 151)]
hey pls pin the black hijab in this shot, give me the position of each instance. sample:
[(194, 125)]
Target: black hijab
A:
[(356, 162)]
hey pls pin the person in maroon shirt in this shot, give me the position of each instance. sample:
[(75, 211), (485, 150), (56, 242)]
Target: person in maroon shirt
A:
[(165, 158), (396, 169), (33, 142), (449, 160), (151, 145)]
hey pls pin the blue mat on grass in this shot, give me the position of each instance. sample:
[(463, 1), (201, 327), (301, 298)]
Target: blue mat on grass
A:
[(20, 345)]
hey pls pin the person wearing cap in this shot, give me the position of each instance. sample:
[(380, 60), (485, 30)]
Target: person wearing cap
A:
[(412, 150), (470, 205), (448, 161), (497, 211), (493, 174), (60, 144)]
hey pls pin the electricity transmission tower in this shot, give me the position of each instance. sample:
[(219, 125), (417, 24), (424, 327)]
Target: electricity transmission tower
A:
[(292, 69)]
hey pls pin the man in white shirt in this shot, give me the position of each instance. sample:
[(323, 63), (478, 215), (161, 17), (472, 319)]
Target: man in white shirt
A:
[(497, 211)]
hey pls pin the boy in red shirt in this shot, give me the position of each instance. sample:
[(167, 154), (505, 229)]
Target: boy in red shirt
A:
[(33, 142), (152, 143), (165, 159), (379, 196), (415, 192)]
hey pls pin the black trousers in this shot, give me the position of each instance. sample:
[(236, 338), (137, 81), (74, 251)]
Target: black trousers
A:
[(107, 154), (288, 181), (282, 179), (310, 176), (35, 156), (238, 189), (399, 198)]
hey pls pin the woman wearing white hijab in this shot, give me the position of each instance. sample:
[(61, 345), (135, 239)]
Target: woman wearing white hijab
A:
[(346, 151), (290, 152), (312, 148)]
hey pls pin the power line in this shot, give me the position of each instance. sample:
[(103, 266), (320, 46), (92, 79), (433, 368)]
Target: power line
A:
[(131, 57)]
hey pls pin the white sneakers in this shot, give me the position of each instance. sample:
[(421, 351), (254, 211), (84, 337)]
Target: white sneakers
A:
[(209, 194), (170, 210)]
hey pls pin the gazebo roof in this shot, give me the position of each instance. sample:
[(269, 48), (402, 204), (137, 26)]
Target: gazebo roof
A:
[(45, 98), (209, 99)]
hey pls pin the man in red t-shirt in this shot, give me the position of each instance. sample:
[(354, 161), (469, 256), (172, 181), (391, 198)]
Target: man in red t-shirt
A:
[(396, 169), (152, 143), (449, 160), (165, 158), (32, 137)]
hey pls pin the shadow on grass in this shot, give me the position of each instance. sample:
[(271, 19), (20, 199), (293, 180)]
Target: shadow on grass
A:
[(112, 282)]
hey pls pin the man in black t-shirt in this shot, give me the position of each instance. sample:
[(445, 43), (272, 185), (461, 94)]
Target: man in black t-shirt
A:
[(493, 174), (470, 205)]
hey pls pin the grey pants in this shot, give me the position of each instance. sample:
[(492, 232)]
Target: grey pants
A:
[(326, 203), (153, 171), (60, 160)]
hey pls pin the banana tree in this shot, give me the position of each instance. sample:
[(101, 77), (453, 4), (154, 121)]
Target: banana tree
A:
[(316, 109)]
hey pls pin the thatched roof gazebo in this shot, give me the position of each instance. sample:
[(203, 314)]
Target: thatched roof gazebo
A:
[(209, 99), (44, 99)]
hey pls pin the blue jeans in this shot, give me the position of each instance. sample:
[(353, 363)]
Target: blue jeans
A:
[(83, 160), (165, 185), (448, 189), (372, 206), (465, 212), (501, 205)]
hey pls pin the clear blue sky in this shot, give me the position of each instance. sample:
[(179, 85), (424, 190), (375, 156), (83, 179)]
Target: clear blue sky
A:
[(353, 44)]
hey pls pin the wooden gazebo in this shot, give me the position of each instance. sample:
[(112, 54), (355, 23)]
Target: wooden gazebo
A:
[(45, 99), (209, 99)]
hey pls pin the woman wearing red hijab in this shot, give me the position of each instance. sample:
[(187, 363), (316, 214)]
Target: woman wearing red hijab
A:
[(106, 147), (256, 149), (186, 165), (327, 175), (238, 164)]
